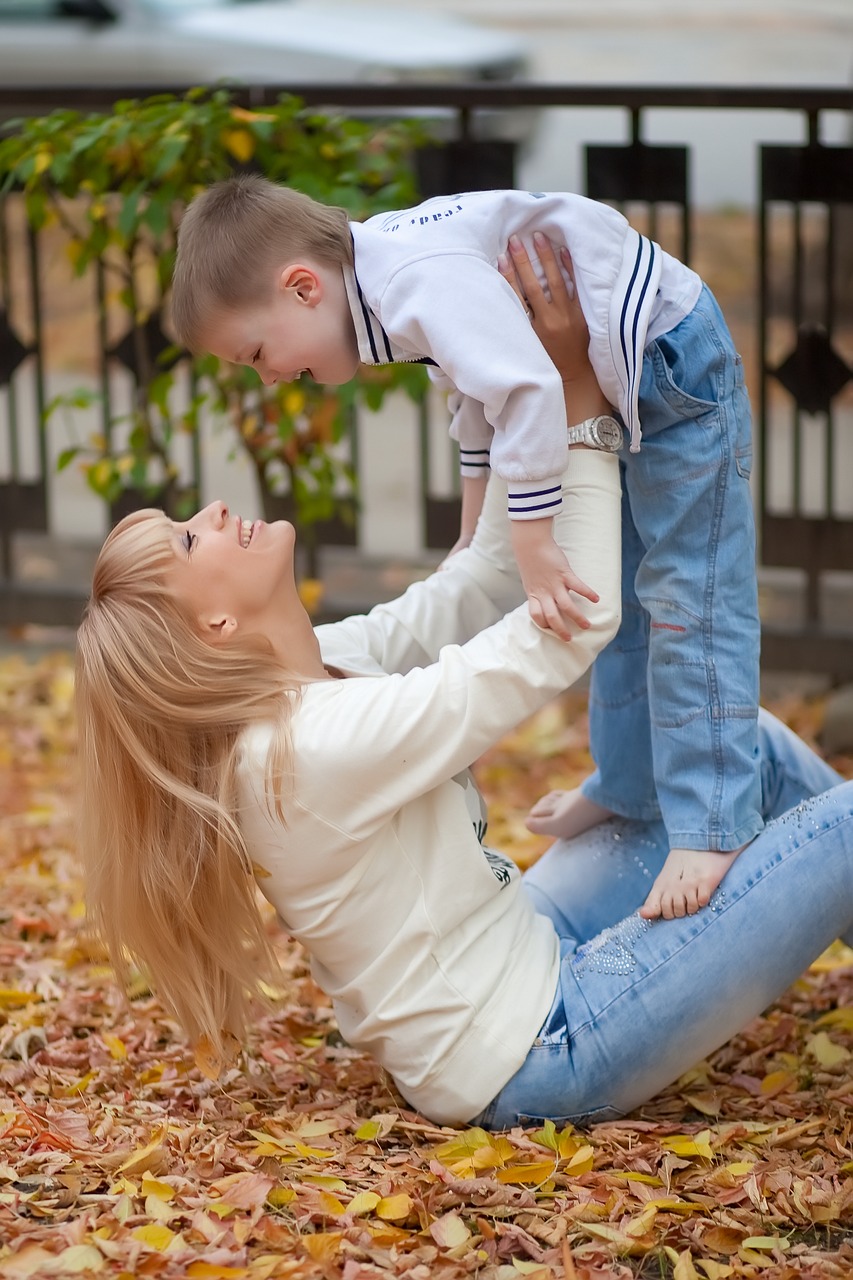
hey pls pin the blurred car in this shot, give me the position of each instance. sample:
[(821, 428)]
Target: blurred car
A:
[(175, 43)]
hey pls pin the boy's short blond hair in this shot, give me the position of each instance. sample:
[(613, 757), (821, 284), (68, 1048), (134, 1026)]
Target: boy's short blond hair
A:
[(235, 236)]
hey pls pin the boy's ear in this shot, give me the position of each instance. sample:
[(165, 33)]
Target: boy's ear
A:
[(302, 281)]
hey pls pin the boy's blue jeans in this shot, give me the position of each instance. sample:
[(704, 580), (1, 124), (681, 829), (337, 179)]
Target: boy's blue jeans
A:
[(674, 697), (638, 1002)]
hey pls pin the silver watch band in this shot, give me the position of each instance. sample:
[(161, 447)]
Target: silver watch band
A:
[(600, 432)]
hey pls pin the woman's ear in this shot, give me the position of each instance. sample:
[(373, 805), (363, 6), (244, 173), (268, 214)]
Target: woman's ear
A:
[(220, 627)]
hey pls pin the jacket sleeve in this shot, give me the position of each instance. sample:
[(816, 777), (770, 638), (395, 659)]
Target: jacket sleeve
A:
[(468, 427), (388, 741), (458, 308)]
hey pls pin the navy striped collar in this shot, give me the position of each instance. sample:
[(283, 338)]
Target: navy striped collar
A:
[(374, 344)]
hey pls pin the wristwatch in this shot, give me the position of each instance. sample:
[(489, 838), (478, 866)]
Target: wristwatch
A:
[(602, 432)]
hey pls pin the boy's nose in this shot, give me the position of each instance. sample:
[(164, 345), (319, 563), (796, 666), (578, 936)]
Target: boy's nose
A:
[(268, 379)]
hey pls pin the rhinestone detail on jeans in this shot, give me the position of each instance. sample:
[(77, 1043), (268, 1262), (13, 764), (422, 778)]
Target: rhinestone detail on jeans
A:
[(612, 950)]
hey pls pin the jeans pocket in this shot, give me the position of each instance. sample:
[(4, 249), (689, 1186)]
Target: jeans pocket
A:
[(743, 462), (675, 372)]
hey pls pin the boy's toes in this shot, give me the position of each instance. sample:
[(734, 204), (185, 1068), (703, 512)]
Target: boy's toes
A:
[(674, 906), (652, 908)]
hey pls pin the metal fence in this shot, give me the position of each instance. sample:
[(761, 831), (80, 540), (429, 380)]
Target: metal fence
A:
[(803, 322)]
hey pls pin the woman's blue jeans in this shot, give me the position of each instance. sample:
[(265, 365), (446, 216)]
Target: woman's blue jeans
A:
[(640, 1002)]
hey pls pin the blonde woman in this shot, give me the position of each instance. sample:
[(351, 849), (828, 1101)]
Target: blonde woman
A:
[(223, 738)]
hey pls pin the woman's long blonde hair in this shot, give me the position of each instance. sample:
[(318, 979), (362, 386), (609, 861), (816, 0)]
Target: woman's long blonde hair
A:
[(159, 710)]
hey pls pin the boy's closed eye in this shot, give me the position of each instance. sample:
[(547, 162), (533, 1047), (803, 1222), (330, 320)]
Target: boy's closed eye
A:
[(256, 357)]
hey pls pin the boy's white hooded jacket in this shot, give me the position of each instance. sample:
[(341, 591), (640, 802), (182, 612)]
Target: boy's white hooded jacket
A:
[(426, 287)]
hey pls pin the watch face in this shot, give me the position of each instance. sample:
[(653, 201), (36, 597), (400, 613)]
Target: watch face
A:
[(609, 433)]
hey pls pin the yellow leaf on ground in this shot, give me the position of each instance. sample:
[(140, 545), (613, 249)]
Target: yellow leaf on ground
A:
[(282, 1195), (527, 1173), (153, 1157), (613, 1235), (117, 1047), (487, 1158), (630, 1175), (323, 1246), (826, 1051), (394, 1208), (765, 1242), (676, 1206), (363, 1202), (684, 1145), (581, 1162), (715, 1270), (329, 1204), (155, 1235), (201, 1270), (368, 1131), (152, 1187), (840, 1017), (12, 998), (325, 1181), (684, 1268), (778, 1082)]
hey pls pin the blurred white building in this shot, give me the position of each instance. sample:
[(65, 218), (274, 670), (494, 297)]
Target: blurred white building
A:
[(746, 42)]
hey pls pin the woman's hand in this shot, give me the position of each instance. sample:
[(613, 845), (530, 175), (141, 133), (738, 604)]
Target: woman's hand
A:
[(558, 321), (555, 313)]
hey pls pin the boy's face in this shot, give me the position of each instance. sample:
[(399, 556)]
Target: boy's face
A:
[(305, 326)]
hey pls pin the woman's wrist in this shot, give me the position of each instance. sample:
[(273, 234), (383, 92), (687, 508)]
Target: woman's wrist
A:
[(584, 400)]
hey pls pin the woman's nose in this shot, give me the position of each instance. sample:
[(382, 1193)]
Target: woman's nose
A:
[(216, 513)]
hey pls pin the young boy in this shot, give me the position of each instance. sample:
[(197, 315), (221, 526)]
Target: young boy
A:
[(268, 277)]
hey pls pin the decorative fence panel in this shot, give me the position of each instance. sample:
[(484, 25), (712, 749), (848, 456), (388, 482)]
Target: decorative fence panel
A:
[(803, 326)]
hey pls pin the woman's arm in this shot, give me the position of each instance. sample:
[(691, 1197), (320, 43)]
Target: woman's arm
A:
[(388, 741)]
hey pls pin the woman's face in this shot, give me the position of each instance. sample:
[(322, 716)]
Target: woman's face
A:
[(234, 574)]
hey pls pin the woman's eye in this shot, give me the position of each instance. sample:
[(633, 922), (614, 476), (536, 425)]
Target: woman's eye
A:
[(189, 541)]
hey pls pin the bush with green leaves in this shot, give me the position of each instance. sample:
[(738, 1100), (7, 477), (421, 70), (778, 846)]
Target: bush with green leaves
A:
[(116, 183)]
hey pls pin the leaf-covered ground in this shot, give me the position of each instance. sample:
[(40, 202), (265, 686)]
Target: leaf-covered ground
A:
[(119, 1158)]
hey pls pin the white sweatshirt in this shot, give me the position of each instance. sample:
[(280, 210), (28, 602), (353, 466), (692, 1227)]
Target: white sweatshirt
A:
[(435, 960), (426, 287)]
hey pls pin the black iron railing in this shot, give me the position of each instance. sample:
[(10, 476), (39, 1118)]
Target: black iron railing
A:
[(802, 327)]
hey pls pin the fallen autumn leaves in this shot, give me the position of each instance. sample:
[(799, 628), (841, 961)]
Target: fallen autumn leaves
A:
[(120, 1158)]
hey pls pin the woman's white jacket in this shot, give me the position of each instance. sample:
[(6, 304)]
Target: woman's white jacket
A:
[(434, 958)]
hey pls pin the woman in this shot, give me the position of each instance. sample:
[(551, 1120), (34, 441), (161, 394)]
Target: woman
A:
[(223, 739)]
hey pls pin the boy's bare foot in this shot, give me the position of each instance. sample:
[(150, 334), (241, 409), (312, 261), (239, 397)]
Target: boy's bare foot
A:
[(565, 814), (685, 884)]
